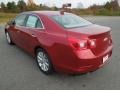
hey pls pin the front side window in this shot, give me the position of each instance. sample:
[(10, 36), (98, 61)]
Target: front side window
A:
[(70, 20), (20, 20)]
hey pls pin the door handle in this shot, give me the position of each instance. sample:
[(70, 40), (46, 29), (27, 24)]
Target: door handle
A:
[(18, 31), (33, 35)]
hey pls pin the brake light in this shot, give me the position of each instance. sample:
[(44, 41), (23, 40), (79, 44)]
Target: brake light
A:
[(110, 41), (110, 38), (82, 44), (78, 44), (92, 43)]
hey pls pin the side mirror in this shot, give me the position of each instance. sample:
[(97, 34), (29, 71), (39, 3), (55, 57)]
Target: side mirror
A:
[(66, 8), (12, 22), (69, 5)]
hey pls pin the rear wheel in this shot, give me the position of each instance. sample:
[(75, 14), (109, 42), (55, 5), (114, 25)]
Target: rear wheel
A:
[(8, 38), (44, 61)]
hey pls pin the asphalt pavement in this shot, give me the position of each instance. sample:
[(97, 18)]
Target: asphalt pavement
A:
[(19, 71)]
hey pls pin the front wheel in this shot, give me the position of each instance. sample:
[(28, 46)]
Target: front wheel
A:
[(44, 62), (8, 38)]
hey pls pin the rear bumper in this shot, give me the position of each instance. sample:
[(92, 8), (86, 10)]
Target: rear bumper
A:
[(91, 66), (85, 63)]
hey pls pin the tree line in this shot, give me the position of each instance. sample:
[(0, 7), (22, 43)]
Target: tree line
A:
[(110, 8), (21, 6)]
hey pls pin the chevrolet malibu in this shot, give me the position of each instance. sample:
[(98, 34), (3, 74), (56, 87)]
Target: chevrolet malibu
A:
[(61, 42)]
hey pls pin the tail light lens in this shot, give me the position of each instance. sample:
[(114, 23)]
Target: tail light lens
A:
[(92, 43), (82, 44), (110, 41)]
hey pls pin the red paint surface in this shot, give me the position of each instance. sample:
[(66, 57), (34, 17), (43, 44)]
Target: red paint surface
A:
[(61, 44)]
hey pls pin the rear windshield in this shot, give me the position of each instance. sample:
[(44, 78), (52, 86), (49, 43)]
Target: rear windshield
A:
[(70, 20)]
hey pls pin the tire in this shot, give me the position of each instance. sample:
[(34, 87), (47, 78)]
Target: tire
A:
[(44, 62), (9, 40)]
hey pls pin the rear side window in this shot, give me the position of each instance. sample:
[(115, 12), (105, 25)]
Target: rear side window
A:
[(33, 22), (20, 20), (39, 24)]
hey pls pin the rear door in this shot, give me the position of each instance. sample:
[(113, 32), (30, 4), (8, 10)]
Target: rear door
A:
[(29, 39)]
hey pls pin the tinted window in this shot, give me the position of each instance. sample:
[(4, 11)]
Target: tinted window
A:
[(70, 21), (20, 20)]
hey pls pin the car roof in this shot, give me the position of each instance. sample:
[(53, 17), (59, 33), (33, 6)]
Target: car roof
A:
[(47, 13)]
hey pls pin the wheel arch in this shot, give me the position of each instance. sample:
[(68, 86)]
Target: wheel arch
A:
[(6, 30), (36, 48), (39, 47)]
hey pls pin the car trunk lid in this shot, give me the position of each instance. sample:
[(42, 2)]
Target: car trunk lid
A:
[(100, 34)]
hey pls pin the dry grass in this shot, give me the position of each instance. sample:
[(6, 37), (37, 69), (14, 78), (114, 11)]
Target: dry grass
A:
[(5, 17)]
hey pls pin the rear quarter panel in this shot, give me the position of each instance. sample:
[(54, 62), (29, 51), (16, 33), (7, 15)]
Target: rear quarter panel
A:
[(56, 43)]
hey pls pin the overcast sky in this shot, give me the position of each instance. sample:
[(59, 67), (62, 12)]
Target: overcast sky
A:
[(59, 3)]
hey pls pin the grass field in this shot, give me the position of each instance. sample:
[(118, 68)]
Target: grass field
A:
[(5, 17)]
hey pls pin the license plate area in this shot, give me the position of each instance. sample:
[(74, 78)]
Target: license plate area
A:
[(105, 58)]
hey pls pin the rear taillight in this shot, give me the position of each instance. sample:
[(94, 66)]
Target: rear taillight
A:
[(78, 44), (92, 43), (82, 44), (110, 41)]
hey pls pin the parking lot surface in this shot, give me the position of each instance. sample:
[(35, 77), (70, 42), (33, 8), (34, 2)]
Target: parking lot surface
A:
[(18, 70)]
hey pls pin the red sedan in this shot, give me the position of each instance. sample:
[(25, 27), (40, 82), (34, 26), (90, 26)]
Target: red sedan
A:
[(61, 42)]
